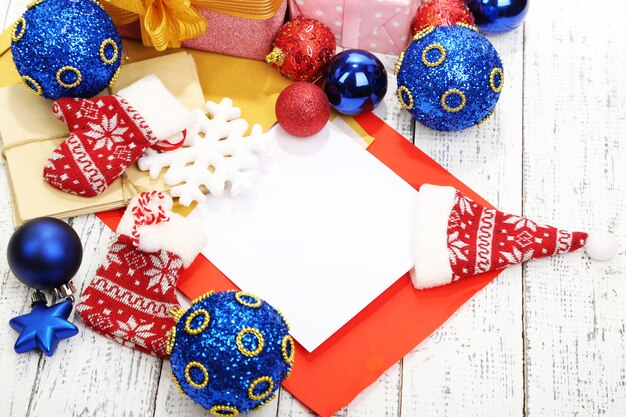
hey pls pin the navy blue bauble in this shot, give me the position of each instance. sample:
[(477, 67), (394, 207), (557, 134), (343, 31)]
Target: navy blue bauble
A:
[(66, 48), (356, 82), (230, 352), (498, 16), (450, 77), (44, 253)]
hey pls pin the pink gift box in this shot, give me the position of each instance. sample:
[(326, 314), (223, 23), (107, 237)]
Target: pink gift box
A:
[(374, 25), (230, 35)]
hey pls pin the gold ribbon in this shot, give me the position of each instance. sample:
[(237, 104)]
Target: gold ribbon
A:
[(166, 23)]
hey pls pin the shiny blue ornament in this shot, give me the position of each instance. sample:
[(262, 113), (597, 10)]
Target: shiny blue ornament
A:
[(66, 48), (449, 78), (44, 253), (43, 327), (356, 82), (498, 16), (230, 352)]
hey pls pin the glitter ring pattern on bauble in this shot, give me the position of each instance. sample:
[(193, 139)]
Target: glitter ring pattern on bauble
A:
[(66, 48), (449, 78), (229, 352)]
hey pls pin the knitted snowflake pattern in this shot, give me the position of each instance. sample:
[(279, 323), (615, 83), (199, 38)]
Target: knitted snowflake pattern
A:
[(215, 152)]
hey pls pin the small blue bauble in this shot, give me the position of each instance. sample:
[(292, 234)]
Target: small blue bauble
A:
[(498, 16), (230, 352), (66, 48), (44, 253), (356, 82), (450, 77)]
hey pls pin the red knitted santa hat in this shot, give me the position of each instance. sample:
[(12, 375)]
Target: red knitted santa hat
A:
[(457, 237)]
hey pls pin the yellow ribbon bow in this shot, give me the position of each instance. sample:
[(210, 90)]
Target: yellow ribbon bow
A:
[(166, 23)]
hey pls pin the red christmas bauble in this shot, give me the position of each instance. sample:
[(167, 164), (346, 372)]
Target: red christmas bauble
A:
[(302, 48), (441, 13), (302, 109)]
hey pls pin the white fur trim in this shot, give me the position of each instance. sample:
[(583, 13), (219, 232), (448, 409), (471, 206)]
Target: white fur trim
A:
[(179, 235), (430, 253), (163, 113)]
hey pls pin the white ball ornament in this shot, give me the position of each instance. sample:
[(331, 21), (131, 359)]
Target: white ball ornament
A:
[(601, 246)]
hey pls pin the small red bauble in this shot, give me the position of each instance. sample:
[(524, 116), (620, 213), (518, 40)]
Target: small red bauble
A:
[(302, 48), (441, 13), (302, 109)]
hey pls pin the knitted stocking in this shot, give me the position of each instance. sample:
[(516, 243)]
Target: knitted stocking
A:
[(109, 133), (130, 298)]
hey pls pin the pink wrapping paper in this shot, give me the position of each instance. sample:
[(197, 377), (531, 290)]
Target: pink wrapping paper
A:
[(230, 35), (374, 25)]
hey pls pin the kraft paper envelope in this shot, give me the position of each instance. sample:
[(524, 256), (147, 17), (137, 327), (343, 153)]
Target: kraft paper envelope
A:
[(30, 132)]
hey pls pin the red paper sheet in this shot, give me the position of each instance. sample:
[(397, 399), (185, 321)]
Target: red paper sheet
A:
[(387, 329)]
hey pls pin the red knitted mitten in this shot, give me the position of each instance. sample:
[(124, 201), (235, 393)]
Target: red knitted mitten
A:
[(130, 298), (109, 133)]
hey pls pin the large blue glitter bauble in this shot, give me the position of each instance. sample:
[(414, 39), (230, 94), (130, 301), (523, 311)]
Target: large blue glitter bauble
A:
[(230, 352), (449, 78), (498, 16), (356, 82), (44, 253), (66, 48)]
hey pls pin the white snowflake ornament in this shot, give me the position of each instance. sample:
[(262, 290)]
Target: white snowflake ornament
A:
[(215, 152)]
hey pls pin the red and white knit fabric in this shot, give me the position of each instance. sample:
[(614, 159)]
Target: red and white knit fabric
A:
[(133, 291), (457, 237), (107, 135), (481, 239), (130, 298)]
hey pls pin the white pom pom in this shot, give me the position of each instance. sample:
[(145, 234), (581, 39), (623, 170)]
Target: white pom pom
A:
[(601, 246)]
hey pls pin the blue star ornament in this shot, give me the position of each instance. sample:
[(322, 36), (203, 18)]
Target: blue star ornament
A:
[(43, 327)]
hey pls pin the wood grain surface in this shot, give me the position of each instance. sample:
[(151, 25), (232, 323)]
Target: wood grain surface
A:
[(544, 339)]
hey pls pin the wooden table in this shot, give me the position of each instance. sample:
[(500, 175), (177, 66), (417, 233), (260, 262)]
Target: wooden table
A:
[(545, 339)]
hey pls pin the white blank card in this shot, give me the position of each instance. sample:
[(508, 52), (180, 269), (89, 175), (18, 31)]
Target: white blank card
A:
[(327, 229)]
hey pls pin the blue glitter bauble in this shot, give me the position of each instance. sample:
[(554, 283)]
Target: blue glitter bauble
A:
[(230, 352), (66, 48), (449, 78), (498, 16), (44, 253), (356, 82)]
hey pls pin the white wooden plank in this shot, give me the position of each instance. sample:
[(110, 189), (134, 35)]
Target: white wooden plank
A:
[(11, 10), (472, 365), (14, 300), (574, 173)]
